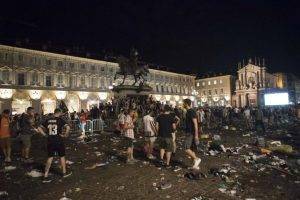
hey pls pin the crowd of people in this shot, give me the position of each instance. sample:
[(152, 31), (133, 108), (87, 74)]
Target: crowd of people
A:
[(158, 122)]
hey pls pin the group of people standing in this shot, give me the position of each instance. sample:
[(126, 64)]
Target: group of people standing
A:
[(54, 127), (161, 129)]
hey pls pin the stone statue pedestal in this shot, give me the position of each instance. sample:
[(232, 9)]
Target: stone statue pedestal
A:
[(131, 90)]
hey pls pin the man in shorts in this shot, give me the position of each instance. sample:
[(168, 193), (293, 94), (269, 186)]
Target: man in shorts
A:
[(166, 126), (54, 127), (191, 129), (27, 127), (5, 135), (149, 133), (129, 136)]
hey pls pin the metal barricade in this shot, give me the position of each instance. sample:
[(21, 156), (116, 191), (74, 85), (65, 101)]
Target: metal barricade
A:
[(74, 126), (98, 125), (89, 126), (95, 125)]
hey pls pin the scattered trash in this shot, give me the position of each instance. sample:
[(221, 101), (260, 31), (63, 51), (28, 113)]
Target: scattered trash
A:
[(165, 186), (195, 175), (265, 151), (287, 149), (98, 153), (9, 168), (197, 198), (204, 136), (3, 193), (97, 165), (122, 187), (64, 197), (34, 174), (68, 162), (217, 137)]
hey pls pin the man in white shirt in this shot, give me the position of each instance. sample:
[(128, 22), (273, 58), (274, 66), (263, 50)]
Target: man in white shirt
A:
[(247, 115), (149, 133)]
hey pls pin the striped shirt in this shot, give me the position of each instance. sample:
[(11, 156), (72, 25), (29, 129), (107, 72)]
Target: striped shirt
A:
[(129, 132)]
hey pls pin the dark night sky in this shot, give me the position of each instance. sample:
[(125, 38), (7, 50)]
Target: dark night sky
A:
[(196, 36)]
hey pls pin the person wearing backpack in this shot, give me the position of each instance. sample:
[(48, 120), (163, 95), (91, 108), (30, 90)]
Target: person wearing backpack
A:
[(5, 135)]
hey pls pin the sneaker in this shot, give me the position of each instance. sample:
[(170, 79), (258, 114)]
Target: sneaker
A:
[(197, 163), (67, 174), (46, 180), (151, 157), (131, 161), (168, 166)]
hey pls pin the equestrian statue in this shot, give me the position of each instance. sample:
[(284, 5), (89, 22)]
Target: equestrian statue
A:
[(131, 67)]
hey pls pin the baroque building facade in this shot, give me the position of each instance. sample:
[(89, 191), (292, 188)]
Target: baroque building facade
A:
[(253, 81), (39, 79)]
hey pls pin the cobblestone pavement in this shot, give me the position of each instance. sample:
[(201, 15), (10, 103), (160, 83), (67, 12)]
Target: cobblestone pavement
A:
[(118, 180)]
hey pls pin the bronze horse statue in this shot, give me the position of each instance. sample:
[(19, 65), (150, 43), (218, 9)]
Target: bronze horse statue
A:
[(130, 67)]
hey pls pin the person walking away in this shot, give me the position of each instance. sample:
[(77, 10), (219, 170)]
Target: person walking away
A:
[(247, 115), (191, 129), (129, 136), (54, 128), (5, 135), (165, 126), (27, 129), (259, 116), (150, 133), (177, 124), (83, 119)]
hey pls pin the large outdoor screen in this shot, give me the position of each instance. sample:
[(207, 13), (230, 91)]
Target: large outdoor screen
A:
[(275, 99)]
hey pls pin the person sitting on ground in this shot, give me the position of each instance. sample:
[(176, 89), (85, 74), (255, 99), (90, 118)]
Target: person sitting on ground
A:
[(54, 127), (165, 126), (5, 135)]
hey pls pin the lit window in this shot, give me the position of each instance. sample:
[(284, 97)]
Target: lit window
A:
[(82, 81), (198, 84), (21, 79), (208, 82), (35, 77), (59, 63), (60, 79), (71, 65), (221, 81), (48, 81), (5, 76), (48, 62), (215, 82), (203, 83)]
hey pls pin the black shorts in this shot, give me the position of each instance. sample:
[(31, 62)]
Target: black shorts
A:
[(56, 149)]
